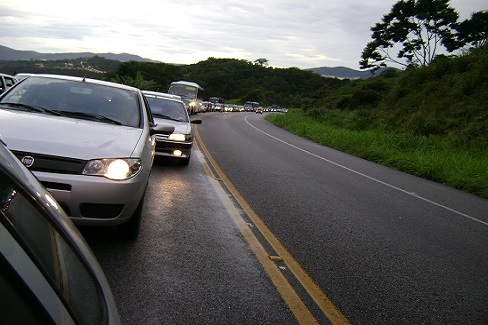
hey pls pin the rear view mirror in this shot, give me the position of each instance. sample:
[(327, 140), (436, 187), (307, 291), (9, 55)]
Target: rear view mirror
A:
[(162, 129)]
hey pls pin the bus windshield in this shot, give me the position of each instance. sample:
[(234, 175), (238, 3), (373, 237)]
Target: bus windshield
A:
[(191, 94), (184, 91)]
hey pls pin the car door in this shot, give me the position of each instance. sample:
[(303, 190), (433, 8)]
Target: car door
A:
[(46, 271)]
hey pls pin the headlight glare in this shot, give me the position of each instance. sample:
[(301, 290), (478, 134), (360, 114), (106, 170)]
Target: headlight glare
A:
[(116, 169), (177, 137)]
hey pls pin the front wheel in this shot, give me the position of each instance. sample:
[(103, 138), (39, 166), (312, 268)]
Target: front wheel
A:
[(131, 229), (184, 162)]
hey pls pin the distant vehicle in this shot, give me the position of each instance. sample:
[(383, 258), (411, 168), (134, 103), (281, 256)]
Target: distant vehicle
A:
[(251, 106), (90, 142), (218, 107), (259, 111), (172, 112), (216, 100), (191, 93), (6, 81), (48, 273), (207, 106)]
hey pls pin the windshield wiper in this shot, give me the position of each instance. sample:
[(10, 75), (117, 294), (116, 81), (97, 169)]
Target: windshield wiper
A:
[(89, 116), (167, 117), (31, 108)]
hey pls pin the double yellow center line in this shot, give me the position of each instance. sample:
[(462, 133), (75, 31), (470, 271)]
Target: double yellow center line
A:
[(287, 292)]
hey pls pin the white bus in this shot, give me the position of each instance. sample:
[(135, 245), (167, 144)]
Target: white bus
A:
[(191, 94)]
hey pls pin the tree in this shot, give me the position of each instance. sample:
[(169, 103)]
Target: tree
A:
[(262, 62), (474, 31), (418, 28), (138, 82)]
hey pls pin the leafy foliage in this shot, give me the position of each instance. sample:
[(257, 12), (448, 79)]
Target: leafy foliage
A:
[(473, 31), (446, 100), (240, 80), (421, 26)]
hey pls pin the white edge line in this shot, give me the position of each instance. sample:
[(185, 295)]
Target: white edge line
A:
[(369, 177)]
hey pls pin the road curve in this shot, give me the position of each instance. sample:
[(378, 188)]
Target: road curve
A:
[(385, 246)]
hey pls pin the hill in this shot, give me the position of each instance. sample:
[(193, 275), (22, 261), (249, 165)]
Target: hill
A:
[(446, 99), (346, 73), (8, 54)]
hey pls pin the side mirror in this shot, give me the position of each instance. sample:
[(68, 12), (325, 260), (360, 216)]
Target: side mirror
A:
[(196, 121), (162, 129)]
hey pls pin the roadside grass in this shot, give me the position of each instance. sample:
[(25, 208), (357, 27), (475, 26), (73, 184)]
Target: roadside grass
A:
[(427, 157)]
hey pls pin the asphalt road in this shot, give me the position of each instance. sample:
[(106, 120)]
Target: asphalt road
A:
[(190, 264), (384, 247)]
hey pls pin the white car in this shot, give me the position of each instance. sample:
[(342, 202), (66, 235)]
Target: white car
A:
[(170, 110), (91, 143)]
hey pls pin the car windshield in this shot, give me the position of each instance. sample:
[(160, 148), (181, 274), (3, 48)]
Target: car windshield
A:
[(81, 100), (168, 109)]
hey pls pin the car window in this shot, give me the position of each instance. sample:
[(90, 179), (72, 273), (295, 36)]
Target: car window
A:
[(10, 81), (18, 305), (79, 100), (50, 251)]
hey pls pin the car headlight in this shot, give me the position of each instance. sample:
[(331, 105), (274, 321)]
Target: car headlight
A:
[(117, 169), (177, 137)]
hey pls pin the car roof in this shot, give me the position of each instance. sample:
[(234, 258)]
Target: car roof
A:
[(23, 75), (8, 75), (87, 80), (162, 95), (187, 83)]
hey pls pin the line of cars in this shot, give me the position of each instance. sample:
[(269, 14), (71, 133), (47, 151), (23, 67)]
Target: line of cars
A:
[(92, 143), (74, 151), (216, 104)]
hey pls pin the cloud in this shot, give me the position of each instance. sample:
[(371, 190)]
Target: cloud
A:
[(286, 33)]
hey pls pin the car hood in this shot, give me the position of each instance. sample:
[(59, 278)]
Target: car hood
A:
[(180, 127), (67, 137)]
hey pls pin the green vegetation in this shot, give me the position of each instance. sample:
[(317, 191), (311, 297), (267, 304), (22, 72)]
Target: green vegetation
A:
[(430, 121), (418, 29), (234, 80)]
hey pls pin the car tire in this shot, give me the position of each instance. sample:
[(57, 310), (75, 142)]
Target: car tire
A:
[(130, 229), (184, 162)]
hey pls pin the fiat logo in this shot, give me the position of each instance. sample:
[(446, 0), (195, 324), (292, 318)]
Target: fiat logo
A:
[(28, 161)]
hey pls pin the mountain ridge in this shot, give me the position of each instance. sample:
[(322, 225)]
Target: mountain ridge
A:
[(346, 73), (9, 54)]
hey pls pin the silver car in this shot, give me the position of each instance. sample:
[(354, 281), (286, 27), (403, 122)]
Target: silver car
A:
[(91, 143), (48, 274), (169, 109)]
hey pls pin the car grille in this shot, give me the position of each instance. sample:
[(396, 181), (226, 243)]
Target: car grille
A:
[(53, 164), (102, 211)]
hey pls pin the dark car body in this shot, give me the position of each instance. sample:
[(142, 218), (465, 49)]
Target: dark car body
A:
[(48, 274), (168, 109)]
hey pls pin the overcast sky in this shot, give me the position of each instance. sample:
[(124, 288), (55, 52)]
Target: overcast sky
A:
[(288, 33)]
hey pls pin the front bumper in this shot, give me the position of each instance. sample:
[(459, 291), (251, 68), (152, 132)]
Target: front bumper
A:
[(169, 148), (95, 200)]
